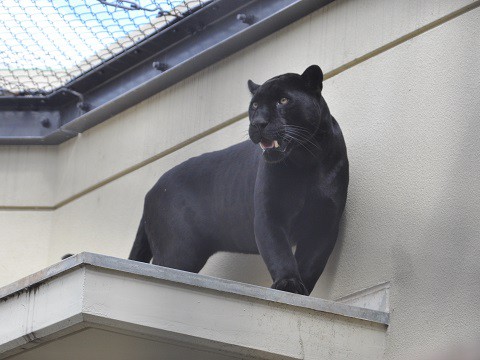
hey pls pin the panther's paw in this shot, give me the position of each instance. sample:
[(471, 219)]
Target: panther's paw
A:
[(292, 285)]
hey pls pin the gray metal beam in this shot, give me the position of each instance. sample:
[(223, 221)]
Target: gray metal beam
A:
[(218, 30)]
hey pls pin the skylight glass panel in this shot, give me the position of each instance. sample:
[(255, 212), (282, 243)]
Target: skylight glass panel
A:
[(46, 44)]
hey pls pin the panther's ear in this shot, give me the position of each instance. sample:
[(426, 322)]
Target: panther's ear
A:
[(313, 77), (252, 87)]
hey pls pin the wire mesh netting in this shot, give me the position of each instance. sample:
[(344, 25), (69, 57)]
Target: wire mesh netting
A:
[(44, 44)]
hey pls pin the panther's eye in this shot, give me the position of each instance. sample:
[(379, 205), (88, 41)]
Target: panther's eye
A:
[(283, 101), (254, 105)]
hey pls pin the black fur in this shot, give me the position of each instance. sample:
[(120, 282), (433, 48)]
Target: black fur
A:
[(243, 199)]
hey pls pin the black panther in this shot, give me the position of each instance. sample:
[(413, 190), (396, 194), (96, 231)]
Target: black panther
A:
[(286, 186)]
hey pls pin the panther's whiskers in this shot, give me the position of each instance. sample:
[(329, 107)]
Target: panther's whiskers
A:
[(300, 134)]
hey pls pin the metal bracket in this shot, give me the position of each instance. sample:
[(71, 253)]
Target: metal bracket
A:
[(81, 105), (246, 19)]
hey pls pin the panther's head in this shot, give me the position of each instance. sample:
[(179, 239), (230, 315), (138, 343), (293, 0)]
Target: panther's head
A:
[(285, 112)]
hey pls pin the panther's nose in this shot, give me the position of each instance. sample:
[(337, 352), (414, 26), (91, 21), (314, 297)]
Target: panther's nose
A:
[(255, 132), (259, 123)]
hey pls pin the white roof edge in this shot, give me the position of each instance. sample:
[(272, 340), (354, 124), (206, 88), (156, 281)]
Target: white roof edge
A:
[(191, 279)]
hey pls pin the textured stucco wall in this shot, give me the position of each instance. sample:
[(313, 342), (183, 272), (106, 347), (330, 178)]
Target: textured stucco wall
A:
[(405, 92), (410, 117)]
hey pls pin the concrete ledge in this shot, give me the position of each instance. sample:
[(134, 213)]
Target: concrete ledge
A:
[(154, 310)]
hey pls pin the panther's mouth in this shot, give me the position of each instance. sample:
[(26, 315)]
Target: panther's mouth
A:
[(274, 150), (269, 144)]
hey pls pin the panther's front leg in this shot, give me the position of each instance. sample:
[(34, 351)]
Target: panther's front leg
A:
[(278, 256), (272, 218), (317, 233)]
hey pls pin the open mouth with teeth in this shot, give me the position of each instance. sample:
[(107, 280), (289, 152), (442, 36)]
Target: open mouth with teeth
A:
[(273, 150), (269, 144)]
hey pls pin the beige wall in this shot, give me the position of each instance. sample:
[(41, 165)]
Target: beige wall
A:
[(403, 84)]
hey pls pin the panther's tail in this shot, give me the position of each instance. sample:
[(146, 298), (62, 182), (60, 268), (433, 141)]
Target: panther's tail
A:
[(141, 249)]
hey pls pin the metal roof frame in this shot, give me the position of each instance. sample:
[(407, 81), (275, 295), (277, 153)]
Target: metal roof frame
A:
[(212, 33)]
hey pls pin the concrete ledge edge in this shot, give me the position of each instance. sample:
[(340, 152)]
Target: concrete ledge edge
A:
[(194, 280)]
